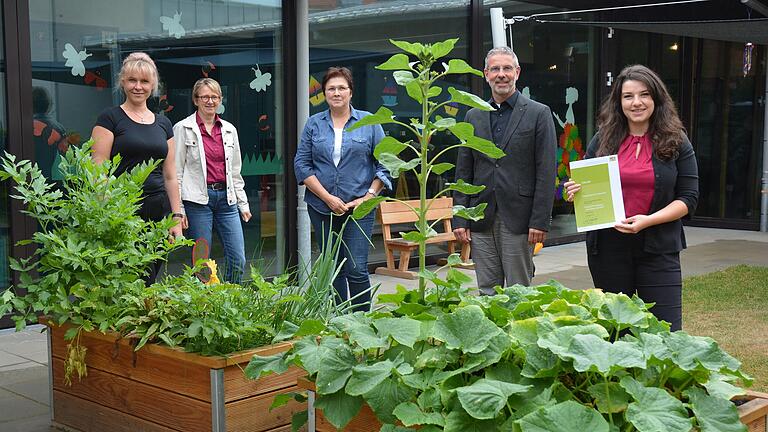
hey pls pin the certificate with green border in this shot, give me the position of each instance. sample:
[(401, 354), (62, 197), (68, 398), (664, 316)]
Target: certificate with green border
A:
[(599, 204)]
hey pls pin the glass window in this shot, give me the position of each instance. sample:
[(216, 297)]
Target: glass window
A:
[(727, 132), (557, 63), (356, 34), (77, 47)]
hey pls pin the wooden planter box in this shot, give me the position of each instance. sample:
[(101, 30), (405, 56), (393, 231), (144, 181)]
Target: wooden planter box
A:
[(753, 413), (161, 389)]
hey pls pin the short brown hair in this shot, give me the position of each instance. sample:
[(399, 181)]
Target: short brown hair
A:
[(339, 72)]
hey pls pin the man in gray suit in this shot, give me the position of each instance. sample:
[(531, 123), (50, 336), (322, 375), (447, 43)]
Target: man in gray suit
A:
[(519, 187)]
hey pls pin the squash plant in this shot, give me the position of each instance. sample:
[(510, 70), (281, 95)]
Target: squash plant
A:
[(419, 78), (530, 359)]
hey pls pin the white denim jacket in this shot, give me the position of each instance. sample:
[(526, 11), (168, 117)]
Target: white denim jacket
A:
[(191, 169)]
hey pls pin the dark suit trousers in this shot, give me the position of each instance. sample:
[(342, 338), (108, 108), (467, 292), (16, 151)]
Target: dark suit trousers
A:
[(622, 266)]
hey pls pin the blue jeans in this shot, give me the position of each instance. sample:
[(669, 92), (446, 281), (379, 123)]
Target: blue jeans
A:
[(353, 277), (218, 215)]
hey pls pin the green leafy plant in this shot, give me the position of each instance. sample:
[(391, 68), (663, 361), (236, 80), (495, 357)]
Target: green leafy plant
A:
[(420, 78), (90, 244), (530, 359)]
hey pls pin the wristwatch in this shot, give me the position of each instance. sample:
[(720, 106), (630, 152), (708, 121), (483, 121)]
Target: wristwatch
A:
[(372, 191)]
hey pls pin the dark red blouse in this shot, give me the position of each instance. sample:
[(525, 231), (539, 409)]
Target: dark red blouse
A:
[(213, 145), (636, 169)]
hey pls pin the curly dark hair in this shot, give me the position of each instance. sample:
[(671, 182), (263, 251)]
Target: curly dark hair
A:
[(665, 128)]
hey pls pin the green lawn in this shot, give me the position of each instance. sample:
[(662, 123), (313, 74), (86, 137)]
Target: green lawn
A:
[(731, 306)]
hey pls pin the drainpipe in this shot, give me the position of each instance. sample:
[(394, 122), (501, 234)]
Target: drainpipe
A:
[(302, 114), (764, 189)]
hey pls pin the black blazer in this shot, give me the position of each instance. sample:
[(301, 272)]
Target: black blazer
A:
[(520, 187), (675, 179)]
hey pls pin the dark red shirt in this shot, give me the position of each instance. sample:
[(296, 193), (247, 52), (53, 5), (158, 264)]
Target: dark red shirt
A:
[(636, 170), (214, 151)]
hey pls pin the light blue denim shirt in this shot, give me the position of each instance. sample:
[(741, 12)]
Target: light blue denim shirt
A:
[(357, 167)]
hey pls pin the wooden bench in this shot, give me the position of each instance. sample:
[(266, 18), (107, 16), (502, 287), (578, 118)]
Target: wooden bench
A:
[(391, 213)]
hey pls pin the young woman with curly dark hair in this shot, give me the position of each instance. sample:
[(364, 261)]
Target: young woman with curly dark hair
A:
[(660, 185)]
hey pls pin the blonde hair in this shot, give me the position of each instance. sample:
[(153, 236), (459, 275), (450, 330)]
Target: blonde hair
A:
[(140, 63), (208, 82)]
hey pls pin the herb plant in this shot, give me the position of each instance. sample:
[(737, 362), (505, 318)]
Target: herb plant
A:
[(419, 78), (531, 359), (90, 245)]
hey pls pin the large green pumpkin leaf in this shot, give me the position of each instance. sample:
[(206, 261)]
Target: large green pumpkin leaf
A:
[(718, 386), (402, 329), (339, 408), (591, 353), (714, 414), (386, 396), (540, 362), (558, 339), (335, 368), (311, 354), (459, 421), (609, 397), (410, 414), (569, 416), (622, 312), (260, 366), (365, 337), (497, 346), (466, 329), (691, 352), (485, 398), (366, 377), (655, 410)]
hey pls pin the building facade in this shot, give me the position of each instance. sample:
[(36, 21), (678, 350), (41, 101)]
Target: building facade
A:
[(59, 60)]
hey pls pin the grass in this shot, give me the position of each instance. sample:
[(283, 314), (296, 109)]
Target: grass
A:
[(730, 306)]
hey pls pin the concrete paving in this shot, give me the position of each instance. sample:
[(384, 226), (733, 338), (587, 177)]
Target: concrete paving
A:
[(24, 385)]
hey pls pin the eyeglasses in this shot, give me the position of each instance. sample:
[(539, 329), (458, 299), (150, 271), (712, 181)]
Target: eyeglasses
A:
[(497, 69), (208, 98), (340, 89)]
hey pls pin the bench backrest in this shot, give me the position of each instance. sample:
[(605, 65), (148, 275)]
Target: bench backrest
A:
[(391, 212)]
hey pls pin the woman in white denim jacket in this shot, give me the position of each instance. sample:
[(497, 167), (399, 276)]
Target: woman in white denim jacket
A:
[(208, 167)]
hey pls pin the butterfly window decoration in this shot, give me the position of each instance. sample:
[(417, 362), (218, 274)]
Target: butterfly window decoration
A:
[(173, 25), (75, 59), (262, 80)]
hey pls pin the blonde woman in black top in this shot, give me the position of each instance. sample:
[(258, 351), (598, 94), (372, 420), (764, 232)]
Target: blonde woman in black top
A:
[(138, 135)]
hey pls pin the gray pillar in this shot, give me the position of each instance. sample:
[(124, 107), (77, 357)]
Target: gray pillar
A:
[(764, 189), (302, 114)]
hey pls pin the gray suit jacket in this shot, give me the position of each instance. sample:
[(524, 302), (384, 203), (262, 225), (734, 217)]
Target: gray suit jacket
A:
[(520, 187)]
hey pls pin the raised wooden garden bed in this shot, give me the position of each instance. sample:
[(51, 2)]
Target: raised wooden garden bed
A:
[(753, 413), (162, 389)]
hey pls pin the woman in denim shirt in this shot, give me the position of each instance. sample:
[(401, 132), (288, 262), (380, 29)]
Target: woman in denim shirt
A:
[(340, 172)]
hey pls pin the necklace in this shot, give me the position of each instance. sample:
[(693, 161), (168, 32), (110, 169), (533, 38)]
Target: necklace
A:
[(137, 114)]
